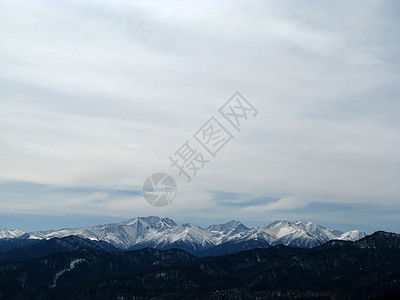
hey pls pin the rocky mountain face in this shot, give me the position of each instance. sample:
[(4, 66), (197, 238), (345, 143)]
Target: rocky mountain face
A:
[(164, 233)]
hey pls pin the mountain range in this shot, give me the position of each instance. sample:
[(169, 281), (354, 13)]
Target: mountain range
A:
[(75, 268), (163, 233)]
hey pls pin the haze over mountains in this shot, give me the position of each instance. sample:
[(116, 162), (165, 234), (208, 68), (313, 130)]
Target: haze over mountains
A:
[(219, 239)]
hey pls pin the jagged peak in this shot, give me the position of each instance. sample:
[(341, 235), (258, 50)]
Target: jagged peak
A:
[(150, 220), (227, 226), (276, 222)]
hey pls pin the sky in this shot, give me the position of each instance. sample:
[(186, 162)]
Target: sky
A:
[(95, 96)]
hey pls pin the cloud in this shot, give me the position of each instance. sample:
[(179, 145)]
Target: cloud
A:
[(98, 95), (286, 203)]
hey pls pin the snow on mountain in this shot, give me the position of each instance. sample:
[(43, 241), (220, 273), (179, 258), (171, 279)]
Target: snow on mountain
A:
[(258, 234), (281, 228), (164, 233), (317, 230), (122, 235), (188, 237), (353, 235), (299, 239), (233, 230), (7, 233), (298, 234), (227, 227)]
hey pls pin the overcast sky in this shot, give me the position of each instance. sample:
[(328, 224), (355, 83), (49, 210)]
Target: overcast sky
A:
[(97, 95)]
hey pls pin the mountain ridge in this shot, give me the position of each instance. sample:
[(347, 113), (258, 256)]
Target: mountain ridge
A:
[(163, 233)]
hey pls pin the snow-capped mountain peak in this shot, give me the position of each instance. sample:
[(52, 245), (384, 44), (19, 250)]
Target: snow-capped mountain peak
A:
[(151, 221), (8, 233), (281, 228), (353, 235), (227, 227)]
